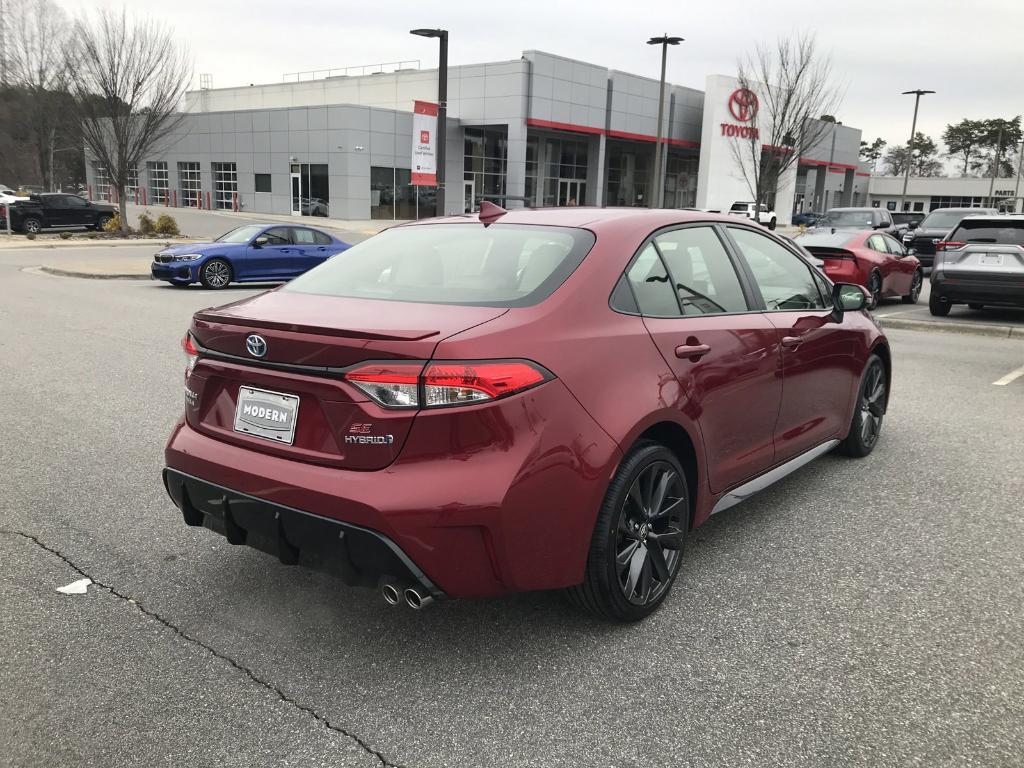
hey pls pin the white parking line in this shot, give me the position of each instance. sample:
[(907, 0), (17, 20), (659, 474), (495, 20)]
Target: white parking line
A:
[(1011, 376)]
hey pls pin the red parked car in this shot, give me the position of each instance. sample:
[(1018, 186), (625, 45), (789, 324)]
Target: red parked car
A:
[(875, 260), (475, 405)]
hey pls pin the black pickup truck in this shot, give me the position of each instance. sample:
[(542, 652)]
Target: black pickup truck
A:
[(55, 209)]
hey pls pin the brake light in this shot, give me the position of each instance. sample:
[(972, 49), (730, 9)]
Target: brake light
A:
[(451, 382), (191, 354), (948, 245)]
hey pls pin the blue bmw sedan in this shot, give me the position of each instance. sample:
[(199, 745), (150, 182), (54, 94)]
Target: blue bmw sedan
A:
[(254, 252)]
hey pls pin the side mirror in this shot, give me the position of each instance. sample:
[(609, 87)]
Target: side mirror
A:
[(260, 241), (882, 225), (847, 297), (913, 225)]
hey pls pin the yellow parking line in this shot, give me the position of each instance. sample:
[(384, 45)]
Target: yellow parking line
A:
[(1011, 376)]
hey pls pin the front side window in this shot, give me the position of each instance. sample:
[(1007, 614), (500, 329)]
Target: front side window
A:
[(55, 201), (74, 201), (785, 281), (701, 270), (877, 243), (511, 265), (278, 236)]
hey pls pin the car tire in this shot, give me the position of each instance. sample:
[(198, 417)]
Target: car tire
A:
[(101, 223), (772, 224), (635, 553), (875, 289), (868, 412), (938, 307), (32, 225), (976, 307), (915, 288), (216, 274)]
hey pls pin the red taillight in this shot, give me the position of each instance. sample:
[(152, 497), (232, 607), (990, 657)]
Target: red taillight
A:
[(191, 353), (455, 382), (948, 245)]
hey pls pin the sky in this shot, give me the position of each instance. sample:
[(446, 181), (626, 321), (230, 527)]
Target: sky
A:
[(970, 52)]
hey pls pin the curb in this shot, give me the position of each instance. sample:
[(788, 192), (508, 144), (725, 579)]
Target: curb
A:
[(93, 275), (976, 329), (95, 244)]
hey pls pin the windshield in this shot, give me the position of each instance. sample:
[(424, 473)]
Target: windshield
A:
[(1009, 232), (240, 234), (510, 265), (943, 219), (859, 219)]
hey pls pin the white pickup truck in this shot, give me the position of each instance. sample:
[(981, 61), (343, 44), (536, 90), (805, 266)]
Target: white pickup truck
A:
[(747, 209)]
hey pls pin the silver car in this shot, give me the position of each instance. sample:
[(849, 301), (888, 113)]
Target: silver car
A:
[(980, 263)]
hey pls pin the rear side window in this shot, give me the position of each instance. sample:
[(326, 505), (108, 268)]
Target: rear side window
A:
[(1009, 232), (701, 270), (786, 282), (651, 285), (321, 238), (303, 236), (500, 265)]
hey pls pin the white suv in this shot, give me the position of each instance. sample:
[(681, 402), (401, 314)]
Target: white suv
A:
[(747, 209)]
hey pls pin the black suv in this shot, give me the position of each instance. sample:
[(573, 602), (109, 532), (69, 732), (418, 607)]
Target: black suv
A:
[(921, 240), (55, 209)]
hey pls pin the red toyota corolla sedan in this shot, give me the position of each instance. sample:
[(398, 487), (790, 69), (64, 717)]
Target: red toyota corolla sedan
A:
[(875, 260), (521, 400)]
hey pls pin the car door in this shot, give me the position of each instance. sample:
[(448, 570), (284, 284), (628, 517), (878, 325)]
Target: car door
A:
[(274, 259), (305, 250), (816, 350), (79, 212), (55, 211), (882, 259), (722, 350), (901, 269)]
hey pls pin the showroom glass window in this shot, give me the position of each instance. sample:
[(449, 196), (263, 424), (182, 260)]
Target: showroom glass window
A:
[(191, 184), (393, 196), (261, 182), (485, 163), (225, 185), (785, 281), (102, 181), (159, 182)]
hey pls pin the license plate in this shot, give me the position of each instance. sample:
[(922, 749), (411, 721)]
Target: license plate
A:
[(991, 260), (266, 414)]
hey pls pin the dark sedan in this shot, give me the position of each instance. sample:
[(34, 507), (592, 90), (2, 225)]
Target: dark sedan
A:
[(921, 240)]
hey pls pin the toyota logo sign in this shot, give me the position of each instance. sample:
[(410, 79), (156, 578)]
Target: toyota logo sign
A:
[(256, 345), (743, 104)]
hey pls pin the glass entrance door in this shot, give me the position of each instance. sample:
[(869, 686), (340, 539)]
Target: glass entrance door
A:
[(572, 192), (296, 191), (469, 195)]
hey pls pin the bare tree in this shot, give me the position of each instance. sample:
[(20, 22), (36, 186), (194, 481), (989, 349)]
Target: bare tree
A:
[(37, 39), (782, 91), (128, 80)]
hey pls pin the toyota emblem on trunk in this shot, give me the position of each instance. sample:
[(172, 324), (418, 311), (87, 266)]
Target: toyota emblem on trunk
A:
[(256, 345)]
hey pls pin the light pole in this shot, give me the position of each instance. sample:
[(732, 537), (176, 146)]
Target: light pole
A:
[(910, 145), (1016, 187), (995, 169), (659, 183), (442, 107)]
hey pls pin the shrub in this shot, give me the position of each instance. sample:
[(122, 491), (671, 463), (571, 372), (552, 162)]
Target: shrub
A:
[(113, 224), (166, 225), (146, 224), (30, 236), (65, 235), (92, 235)]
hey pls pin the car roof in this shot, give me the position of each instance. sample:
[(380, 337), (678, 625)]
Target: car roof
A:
[(997, 218), (590, 218), (980, 211), (836, 239)]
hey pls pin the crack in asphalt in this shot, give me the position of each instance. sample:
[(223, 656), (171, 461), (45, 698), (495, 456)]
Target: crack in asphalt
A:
[(321, 719)]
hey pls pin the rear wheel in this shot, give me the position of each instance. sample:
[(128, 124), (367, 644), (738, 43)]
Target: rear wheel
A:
[(875, 289), (215, 274), (975, 306), (938, 307), (866, 425), (637, 544), (772, 224), (915, 288), (32, 225)]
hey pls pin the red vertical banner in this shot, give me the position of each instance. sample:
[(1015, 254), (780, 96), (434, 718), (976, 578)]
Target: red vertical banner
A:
[(424, 144)]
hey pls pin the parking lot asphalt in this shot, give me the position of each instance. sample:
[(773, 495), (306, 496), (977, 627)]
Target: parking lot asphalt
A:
[(997, 321), (859, 613)]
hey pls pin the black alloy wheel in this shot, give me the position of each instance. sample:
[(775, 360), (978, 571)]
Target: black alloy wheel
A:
[(102, 221), (915, 288), (875, 289), (32, 226), (636, 548), (869, 411)]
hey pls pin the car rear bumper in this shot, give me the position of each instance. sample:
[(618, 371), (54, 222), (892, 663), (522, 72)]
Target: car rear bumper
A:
[(1008, 291), (481, 501), (173, 272)]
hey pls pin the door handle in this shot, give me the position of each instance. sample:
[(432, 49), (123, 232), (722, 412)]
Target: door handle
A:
[(692, 351), (791, 342)]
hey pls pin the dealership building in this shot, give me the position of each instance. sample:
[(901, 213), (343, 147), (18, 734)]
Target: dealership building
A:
[(926, 193), (542, 130)]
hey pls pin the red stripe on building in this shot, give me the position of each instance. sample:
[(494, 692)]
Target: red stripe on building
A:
[(827, 164), (573, 128), (563, 126), (646, 137)]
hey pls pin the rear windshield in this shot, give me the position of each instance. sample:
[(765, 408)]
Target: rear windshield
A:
[(510, 265), (943, 219), (1010, 232), (847, 219), (740, 206)]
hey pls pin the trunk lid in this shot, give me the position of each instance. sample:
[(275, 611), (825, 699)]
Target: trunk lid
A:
[(309, 339)]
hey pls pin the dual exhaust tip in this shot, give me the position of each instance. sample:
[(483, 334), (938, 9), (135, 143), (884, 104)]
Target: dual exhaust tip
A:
[(413, 595)]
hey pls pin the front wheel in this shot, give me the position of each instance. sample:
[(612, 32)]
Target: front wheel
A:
[(915, 288), (869, 411), (215, 274), (637, 545), (101, 223)]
